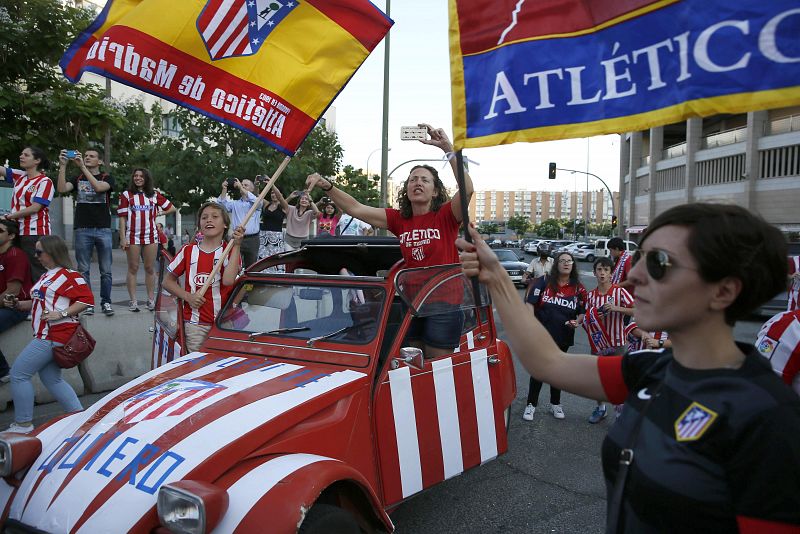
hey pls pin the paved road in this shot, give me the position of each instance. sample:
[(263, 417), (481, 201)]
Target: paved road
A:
[(549, 481)]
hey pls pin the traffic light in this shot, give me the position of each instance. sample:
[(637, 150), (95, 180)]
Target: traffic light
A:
[(552, 171), (613, 221)]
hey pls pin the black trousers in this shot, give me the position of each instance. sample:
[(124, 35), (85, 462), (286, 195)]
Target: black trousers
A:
[(28, 244), (249, 250), (535, 387)]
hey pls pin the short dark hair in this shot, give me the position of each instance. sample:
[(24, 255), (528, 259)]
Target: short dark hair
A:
[(39, 154), (12, 227), (729, 241), (616, 243), (604, 261)]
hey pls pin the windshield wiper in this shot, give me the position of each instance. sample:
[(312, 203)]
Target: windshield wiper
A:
[(310, 342), (288, 330)]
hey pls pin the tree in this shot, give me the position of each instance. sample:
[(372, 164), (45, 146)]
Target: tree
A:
[(551, 228), (488, 228), (38, 106), (363, 188), (520, 224)]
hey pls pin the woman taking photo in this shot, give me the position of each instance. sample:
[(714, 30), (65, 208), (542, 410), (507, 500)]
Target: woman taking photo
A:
[(299, 219), (557, 300), (424, 209), (707, 441), (271, 230), (30, 204), (139, 206), (56, 300)]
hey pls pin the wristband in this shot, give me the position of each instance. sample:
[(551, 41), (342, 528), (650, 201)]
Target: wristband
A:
[(330, 186)]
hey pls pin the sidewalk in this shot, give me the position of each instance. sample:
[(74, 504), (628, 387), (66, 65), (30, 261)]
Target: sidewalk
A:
[(119, 271)]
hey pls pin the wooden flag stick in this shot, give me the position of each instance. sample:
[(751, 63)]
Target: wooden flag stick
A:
[(460, 181), (252, 210)]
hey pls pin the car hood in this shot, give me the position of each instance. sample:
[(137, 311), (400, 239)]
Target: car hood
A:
[(514, 265), (191, 418)]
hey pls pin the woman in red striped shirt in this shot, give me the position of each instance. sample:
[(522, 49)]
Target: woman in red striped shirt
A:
[(138, 208), (30, 204), (56, 300)]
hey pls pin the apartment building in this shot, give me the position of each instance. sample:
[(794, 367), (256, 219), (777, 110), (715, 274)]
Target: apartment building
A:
[(539, 206), (750, 159)]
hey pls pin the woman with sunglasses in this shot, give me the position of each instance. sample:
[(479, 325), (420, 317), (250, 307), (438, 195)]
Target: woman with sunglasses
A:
[(557, 300), (56, 300), (708, 440)]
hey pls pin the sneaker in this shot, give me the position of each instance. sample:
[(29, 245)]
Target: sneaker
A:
[(107, 309), (89, 311), (558, 411), (151, 305), (20, 429), (5, 379), (530, 409), (598, 414), (134, 307)]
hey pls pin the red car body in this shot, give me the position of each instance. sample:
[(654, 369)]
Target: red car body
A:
[(273, 426)]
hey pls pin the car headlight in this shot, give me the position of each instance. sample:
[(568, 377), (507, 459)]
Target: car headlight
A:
[(191, 507), (17, 453)]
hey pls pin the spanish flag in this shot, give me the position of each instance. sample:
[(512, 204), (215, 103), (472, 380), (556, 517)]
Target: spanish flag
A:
[(267, 67)]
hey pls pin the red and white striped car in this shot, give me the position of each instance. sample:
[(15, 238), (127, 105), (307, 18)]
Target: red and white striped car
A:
[(302, 412)]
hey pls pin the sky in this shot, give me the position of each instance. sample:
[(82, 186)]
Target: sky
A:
[(419, 91)]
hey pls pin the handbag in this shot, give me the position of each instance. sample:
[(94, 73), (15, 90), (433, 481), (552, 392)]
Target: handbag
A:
[(75, 350)]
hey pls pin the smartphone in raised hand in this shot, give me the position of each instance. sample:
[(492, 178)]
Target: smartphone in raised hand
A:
[(413, 133)]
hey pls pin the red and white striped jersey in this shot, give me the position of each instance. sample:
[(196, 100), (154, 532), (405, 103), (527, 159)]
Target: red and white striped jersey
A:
[(56, 290), (635, 343), (794, 286), (622, 267), (195, 265), (779, 342), (28, 191), (141, 212), (614, 322)]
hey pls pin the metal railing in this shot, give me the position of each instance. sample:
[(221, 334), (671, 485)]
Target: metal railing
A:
[(674, 151), (782, 125), (728, 137)]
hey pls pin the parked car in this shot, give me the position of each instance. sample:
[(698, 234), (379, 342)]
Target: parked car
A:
[(583, 251), (304, 409), (600, 248), (558, 245), (496, 243), (532, 246), (512, 263)]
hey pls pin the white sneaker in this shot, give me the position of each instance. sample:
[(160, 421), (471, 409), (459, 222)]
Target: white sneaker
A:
[(20, 429), (134, 307), (558, 411), (151, 305), (107, 309), (528, 413)]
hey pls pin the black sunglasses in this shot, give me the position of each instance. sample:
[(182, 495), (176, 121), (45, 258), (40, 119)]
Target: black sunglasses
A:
[(37, 252), (656, 262)]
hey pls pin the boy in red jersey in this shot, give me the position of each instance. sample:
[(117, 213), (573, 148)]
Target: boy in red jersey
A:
[(196, 261), (606, 308)]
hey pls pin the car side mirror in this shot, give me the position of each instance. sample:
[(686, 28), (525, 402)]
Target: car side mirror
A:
[(411, 356)]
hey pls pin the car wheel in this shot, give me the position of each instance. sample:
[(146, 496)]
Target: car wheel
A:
[(329, 519), (590, 258)]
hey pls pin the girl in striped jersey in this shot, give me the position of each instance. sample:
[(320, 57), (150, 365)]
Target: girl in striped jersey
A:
[(138, 208), (195, 261), (606, 308), (30, 204), (56, 300)]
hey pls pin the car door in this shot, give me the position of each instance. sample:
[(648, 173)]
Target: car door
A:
[(450, 414), (167, 323)]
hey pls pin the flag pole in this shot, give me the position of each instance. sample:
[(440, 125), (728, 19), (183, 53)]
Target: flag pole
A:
[(476, 292), (252, 210)]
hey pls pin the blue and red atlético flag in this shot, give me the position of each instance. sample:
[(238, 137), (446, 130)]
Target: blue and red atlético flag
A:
[(268, 67), (535, 70)]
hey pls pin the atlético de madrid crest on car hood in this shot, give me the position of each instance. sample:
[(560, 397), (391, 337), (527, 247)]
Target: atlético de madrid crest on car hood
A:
[(231, 28)]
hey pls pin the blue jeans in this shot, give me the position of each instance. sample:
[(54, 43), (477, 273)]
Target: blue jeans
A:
[(8, 318), (37, 357), (85, 240)]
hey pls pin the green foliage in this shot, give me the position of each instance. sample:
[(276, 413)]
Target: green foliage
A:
[(366, 190), (520, 224), (38, 106), (551, 228), (602, 229), (488, 228)]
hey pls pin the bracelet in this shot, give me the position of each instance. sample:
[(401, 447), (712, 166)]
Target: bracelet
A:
[(330, 186)]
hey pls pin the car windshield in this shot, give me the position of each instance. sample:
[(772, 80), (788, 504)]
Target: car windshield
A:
[(337, 313), (506, 255)]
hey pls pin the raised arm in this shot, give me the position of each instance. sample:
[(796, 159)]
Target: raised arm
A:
[(439, 139), (282, 201), (349, 205), (530, 342), (62, 185)]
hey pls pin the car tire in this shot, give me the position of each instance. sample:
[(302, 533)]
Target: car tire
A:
[(329, 519), (590, 258)]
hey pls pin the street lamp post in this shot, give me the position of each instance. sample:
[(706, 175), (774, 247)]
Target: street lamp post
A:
[(370, 156), (610, 194)]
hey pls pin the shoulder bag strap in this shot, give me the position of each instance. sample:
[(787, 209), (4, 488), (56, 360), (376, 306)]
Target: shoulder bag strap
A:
[(625, 461)]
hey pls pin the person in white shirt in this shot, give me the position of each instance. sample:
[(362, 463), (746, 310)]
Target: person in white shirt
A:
[(349, 225), (539, 267)]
